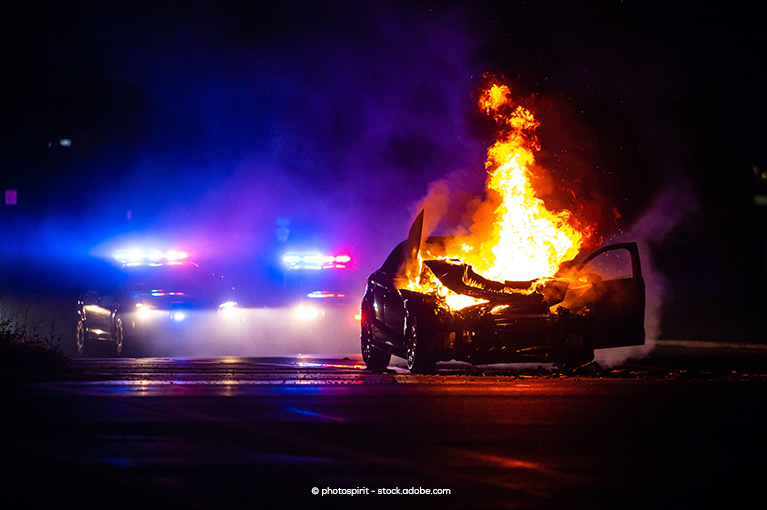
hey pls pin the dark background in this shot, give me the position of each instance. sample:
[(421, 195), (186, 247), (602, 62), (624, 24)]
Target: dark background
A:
[(210, 121)]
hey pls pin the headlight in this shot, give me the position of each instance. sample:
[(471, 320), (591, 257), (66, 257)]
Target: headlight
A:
[(304, 312), (143, 312), (229, 310), (178, 315)]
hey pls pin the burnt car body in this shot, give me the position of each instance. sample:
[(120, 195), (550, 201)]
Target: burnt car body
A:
[(595, 303), (150, 308)]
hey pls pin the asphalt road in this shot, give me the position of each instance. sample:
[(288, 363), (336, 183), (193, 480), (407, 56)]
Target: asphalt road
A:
[(264, 432)]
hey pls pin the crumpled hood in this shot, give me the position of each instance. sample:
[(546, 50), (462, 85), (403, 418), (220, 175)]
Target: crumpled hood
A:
[(462, 279)]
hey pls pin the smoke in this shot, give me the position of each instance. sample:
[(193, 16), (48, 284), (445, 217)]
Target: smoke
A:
[(450, 203), (265, 332), (670, 209), (211, 122)]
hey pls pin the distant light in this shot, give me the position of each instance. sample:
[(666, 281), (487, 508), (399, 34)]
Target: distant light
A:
[(129, 256), (151, 257), (306, 312), (65, 142), (316, 261), (160, 292), (176, 255), (320, 294), (178, 316)]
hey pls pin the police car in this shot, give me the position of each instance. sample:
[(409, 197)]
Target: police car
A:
[(322, 292), (154, 303)]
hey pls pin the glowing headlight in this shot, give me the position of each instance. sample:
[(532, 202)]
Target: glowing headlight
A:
[(306, 312), (228, 309), (178, 316), (143, 312), (228, 306)]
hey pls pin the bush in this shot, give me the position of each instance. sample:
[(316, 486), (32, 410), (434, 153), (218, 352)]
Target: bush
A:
[(25, 353)]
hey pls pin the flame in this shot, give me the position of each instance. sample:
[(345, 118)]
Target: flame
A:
[(527, 240), (519, 239)]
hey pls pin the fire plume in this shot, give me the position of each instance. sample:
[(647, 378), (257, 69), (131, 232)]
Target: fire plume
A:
[(514, 236), (527, 240)]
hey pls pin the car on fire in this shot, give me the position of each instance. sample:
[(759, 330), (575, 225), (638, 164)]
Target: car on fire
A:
[(151, 304), (594, 302)]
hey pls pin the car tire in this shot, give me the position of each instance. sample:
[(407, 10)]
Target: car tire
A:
[(81, 339), (118, 336), (420, 359), (375, 359)]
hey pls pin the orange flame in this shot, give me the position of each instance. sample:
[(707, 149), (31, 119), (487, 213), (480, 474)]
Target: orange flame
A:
[(519, 238), (527, 241)]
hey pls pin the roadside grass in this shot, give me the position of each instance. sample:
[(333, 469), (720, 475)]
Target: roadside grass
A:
[(26, 353)]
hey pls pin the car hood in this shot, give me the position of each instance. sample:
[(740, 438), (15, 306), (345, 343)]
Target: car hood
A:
[(462, 279)]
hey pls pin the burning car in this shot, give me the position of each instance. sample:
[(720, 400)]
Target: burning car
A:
[(154, 298), (594, 303), (515, 285)]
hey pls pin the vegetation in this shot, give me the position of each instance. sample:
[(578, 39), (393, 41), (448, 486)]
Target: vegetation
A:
[(25, 353)]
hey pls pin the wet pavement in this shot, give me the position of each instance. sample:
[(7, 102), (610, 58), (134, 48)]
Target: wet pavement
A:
[(679, 429)]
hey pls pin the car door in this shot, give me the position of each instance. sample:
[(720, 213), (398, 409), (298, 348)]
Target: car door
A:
[(616, 297)]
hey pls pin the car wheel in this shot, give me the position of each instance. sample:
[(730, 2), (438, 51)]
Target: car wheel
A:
[(375, 359), (82, 338), (419, 358), (118, 336)]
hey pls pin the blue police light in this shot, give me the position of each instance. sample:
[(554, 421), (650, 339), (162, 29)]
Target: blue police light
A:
[(323, 294), (152, 256)]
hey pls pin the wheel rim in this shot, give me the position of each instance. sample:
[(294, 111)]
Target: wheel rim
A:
[(411, 345), (80, 337), (118, 336), (365, 338)]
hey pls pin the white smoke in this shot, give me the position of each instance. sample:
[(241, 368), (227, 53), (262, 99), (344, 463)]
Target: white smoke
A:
[(670, 208)]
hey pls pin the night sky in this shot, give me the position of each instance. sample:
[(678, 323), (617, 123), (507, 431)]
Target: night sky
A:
[(203, 123)]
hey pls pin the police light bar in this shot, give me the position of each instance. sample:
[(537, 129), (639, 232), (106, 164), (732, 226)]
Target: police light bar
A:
[(134, 257), (323, 294), (316, 261)]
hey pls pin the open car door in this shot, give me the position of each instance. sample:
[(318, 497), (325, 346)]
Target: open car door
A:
[(609, 284)]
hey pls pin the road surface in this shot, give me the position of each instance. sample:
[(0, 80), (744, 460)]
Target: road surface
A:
[(270, 432)]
